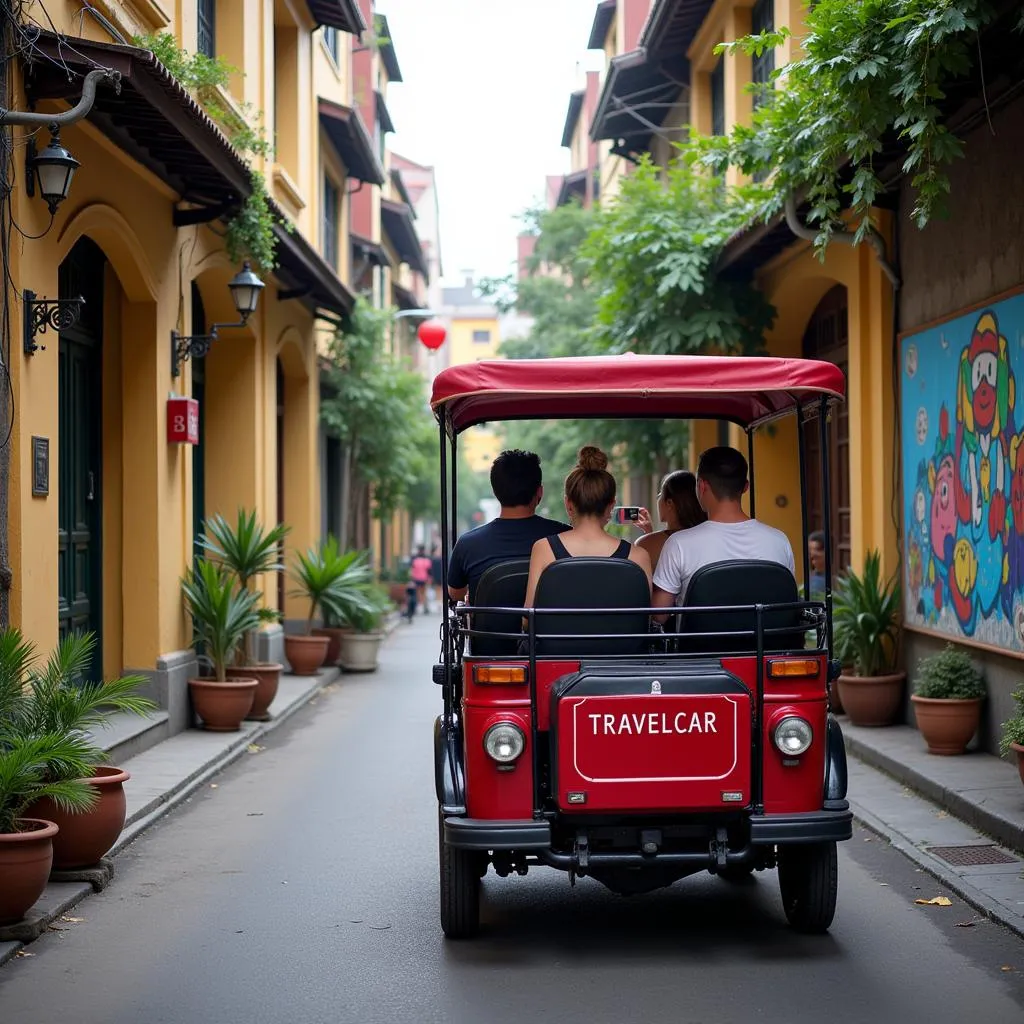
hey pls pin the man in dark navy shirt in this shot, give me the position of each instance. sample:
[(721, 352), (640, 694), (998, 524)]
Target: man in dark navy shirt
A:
[(516, 482)]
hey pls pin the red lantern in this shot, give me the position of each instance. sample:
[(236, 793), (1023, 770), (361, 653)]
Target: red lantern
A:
[(432, 333)]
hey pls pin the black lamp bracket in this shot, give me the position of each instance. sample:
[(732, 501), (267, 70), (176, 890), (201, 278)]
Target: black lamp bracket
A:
[(194, 346), (40, 314)]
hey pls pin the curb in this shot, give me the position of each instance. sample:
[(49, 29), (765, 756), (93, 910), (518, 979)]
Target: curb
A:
[(993, 910), (1009, 833), (173, 798)]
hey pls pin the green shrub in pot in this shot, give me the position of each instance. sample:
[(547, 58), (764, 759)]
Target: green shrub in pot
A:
[(948, 691), (1012, 740)]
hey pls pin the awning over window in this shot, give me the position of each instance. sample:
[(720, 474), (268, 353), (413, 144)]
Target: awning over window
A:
[(602, 22), (364, 248), (383, 114), (572, 116), (403, 298), (153, 119), (573, 185), (344, 15), (397, 221), (351, 141), (307, 276)]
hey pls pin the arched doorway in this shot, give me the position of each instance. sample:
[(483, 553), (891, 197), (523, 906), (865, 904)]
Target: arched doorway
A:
[(827, 337), (198, 367), (80, 447)]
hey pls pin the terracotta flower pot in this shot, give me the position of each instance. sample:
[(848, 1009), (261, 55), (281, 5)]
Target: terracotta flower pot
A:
[(334, 635), (305, 654), (947, 725), (872, 700), (25, 861), (222, 706), (359, 651), (84, 838), (268, 678), (1019, 751), (396, 591)]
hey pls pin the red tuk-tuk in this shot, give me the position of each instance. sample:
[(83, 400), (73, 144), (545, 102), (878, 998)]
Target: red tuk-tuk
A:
[(594, 743)]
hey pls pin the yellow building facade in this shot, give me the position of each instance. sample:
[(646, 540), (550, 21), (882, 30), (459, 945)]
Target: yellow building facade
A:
[(840, 309), (104, 508), (473, 334)]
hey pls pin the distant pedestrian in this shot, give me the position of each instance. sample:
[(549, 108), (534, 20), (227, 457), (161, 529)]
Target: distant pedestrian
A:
[(419, 573), (436, 571)]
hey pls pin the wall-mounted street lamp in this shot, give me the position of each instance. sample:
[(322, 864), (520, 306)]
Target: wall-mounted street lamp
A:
[(245, 288), (51, 170)]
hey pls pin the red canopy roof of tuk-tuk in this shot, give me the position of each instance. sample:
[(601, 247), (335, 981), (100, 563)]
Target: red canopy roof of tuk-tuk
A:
[(745, 390)]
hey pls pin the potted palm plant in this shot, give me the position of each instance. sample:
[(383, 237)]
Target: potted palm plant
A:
[(221, 614), (948, 691), (354, 571), (325, 576), (58, 702), (248, 551), (865, 622), (360, 648), (1013, 732), (26, 762)]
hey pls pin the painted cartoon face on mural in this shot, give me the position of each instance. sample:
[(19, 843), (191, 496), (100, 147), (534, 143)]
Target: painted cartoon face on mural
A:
[(964, 559), (943, 521)]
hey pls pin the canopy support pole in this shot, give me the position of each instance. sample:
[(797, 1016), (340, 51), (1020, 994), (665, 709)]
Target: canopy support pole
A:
[(750, 471), (801, 447)]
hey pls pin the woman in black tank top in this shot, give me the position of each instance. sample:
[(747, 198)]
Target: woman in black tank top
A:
[(559, 549), (589, 499)]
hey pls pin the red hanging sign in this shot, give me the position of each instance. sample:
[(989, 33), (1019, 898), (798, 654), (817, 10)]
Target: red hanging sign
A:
[(182, 421)]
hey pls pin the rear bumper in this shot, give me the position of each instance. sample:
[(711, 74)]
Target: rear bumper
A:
[(812, 827), (484, 834), (832, 825)]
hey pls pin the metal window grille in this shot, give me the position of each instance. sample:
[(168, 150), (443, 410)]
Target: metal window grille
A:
[(330, 222), (206, 41), (718, 99)]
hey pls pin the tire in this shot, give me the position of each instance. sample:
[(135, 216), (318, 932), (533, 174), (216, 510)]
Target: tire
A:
[(809, 882), (460, 888)]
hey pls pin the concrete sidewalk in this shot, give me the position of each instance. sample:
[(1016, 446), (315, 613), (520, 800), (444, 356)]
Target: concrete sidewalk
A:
[(161, 778), (961, 819)]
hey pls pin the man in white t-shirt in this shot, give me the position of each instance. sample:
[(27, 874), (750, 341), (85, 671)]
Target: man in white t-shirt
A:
[(728, 535)]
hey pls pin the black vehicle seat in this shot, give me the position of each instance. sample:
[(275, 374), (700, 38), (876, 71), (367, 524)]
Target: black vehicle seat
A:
[(592, 583), (501, 586), (741, 582)]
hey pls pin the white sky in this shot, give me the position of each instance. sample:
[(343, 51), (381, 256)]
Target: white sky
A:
[(483, 99)]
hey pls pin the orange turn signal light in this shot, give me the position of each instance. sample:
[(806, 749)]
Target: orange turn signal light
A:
[(499, 675), (793, 668)]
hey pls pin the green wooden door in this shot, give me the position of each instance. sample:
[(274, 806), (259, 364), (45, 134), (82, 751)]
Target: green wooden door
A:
[(79, 470)]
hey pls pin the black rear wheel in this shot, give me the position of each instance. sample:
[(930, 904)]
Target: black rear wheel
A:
[(460, 872), (809, 882)]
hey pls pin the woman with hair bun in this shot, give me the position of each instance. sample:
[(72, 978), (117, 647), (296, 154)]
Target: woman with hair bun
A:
[(589, 500), (678, 509)]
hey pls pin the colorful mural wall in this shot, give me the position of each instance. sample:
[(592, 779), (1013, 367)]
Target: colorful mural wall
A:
[(963, 476)]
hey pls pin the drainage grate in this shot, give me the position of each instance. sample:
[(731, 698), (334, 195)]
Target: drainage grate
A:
[(966, 856)]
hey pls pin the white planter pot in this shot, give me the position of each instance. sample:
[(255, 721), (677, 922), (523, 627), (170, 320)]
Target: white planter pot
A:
[(359, 651)]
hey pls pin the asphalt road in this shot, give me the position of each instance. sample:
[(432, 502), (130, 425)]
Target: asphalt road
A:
[(302, 888)]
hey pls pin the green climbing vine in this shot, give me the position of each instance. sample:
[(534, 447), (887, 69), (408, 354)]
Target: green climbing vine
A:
[(872, 71), (250, 231)]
